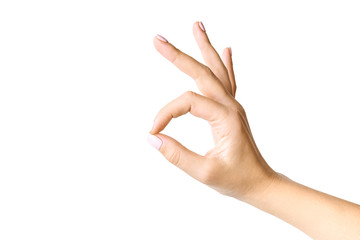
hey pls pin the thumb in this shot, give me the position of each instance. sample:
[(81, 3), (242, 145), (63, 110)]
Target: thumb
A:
[(177, 154)]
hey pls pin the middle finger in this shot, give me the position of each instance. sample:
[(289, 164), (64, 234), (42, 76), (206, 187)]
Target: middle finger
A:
[(210, 55)]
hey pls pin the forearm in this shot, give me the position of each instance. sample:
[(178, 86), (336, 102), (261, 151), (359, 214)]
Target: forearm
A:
[(319, 215)]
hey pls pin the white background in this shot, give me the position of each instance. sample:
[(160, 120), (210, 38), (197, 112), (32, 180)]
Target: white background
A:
[(80, 83)]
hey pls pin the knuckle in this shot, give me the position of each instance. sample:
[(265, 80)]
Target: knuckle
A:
[(173, 59), (235, 113), (189, 94), (207, 70), (204, 71), (174, 157), (237, 108)]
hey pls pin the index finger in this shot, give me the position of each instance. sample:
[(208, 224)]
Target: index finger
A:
[(196, 104)]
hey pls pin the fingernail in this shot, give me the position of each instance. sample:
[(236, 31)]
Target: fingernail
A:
[(154, 141), (161, 38), (201, 25), (230, 51)]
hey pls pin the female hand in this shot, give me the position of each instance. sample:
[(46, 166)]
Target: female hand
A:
[(234, 167)]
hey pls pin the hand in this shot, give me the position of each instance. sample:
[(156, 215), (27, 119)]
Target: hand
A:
[(234, 167)]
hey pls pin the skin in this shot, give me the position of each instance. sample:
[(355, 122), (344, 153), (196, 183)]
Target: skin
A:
[(235, 167)]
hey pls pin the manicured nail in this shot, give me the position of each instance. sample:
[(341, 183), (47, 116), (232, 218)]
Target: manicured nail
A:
[(154, 141), (230, 51), (201, 25), (161, 38)]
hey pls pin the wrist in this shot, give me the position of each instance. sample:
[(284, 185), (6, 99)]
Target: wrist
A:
[(263, 187)]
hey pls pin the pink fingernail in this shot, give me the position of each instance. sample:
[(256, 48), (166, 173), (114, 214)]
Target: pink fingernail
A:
[(161, 38), (230, 51), (201, 25), (154, 141)]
